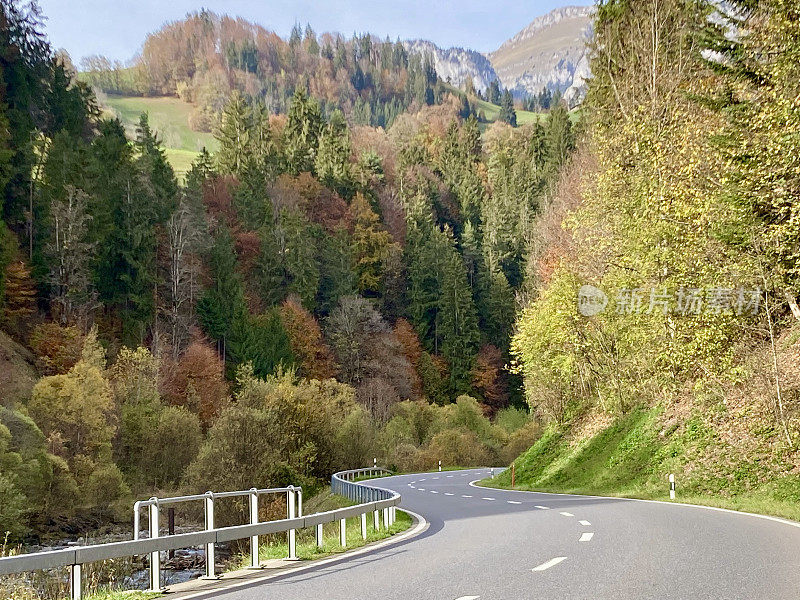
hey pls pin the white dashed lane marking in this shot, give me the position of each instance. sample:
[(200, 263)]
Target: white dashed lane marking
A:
[(566, 514), (434, 492), (513, 502), (487, 498), (550, 563), (584, 523), (448, 494), (586, 537), (468, 598), (465, 496), (542, 507)]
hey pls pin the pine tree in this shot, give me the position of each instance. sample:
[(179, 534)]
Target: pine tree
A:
[(370, 243), (558, 137), (458, 324), (507, 113), (302, 131), (233, 135), (332, 162), (222, 304)]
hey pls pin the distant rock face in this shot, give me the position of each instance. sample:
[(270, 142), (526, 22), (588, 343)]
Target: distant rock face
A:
[(550, 52), (456, 64)]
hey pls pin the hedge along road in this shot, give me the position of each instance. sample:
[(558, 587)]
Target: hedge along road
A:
[(498, 544)]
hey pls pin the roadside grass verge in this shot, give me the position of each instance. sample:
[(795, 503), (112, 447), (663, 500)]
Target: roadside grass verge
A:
[(633, 456), (276, 546)]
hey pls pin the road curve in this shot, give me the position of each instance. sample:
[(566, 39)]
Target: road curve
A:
[(504, 545)]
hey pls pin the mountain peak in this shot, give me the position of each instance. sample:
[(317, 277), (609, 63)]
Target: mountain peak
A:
[(547, 52), (555, 16)]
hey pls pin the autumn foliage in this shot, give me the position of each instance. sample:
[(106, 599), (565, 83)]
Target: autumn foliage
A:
[(307, 343), (197, 381)]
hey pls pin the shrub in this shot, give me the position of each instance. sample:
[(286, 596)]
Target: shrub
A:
[(175, 444), (57, 348), (105, 485)]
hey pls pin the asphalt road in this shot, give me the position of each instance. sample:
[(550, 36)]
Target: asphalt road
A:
[(490, 544)]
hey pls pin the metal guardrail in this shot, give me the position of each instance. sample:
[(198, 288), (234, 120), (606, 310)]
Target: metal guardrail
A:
[(344, 484), (294, 507), (75, 557)]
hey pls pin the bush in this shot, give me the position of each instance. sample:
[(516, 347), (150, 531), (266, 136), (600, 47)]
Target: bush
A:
[(105, 485), (455, 448), (175, 444), (57, 348)]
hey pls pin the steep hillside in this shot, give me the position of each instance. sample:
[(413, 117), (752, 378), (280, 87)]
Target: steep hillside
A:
[(169, 118), (456, 65), (546, 53), (17, 373)]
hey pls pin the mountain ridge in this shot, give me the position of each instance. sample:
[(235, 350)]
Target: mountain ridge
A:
[(551, 51)]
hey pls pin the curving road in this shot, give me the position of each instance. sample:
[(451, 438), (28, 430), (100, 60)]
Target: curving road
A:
[(504, 545)]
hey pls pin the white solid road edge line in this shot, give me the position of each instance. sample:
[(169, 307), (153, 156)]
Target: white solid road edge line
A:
[(422, 525), (585, 537), (621, 499), (550, 563)]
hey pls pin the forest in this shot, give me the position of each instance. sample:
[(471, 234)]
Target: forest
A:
[(680, 204), (205, 57), (323, 290)]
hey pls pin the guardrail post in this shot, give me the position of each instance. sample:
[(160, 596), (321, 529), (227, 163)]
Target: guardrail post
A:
[(75, 582), (290, 508), (375, 521), (255, 563), (343, 532), (136, 508), (386, 518), (208, 501), (364, 525), (155, 557), (299, 493), (319, 535)]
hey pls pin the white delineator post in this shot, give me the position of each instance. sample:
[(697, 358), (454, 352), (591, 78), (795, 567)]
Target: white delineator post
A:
[(290, 505), (440, 466), (208, 501), (672, 486), (255, 563), (319, 536), (364, 525), (155, 557), (374, 463), (75, 582)]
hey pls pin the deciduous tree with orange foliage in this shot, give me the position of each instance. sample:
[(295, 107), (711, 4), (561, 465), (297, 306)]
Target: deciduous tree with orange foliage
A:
[(306, 341), (197, 381)]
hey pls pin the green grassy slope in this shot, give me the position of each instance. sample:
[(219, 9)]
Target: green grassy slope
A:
[(491, 111), (633, 455), (169, 117)]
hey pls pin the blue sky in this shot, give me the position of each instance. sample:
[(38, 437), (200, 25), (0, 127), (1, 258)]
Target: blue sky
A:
[(116, 28)]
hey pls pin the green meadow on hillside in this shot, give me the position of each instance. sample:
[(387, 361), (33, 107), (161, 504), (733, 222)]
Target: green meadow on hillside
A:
[(169, 117)]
